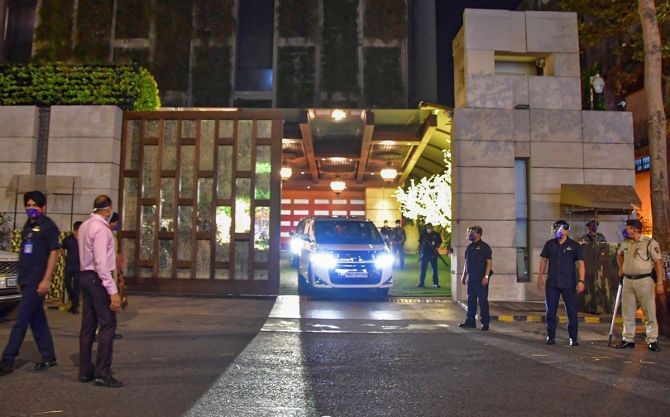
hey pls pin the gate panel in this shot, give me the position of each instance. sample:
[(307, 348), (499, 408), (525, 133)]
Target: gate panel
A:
[(200, 195)]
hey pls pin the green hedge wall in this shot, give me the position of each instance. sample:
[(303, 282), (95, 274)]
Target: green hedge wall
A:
[(215, 19), (53, 35), (382, 76), (339, 52), (129, 87), (296, 69), (298, 18)]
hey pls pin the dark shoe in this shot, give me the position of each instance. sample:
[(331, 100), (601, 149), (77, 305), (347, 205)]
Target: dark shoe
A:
[(485, 327), (624, 345), (436, 286), (466, 325), (74, 310), (118, 336), (420, 285), (86, 378), (550, 341), (654, 347), (574, 342), (109, 382), (43, 366), (6, 368)]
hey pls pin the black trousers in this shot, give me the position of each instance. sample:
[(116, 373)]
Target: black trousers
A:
[(478, 293), (96, 311), (425, 260), (72, 287), (31, 313), (552, 295), (399, 254)]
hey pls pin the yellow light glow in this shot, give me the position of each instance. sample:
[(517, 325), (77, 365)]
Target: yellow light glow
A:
[(338, 115)]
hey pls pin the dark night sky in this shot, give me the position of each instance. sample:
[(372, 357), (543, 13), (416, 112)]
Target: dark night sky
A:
[(449, 21)]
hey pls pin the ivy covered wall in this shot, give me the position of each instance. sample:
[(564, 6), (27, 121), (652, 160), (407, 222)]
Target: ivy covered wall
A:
[(384, 87), (296, 68)]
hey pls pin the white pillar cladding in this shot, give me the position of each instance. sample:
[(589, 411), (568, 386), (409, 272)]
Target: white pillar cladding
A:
[(84, 143), (504, 112)]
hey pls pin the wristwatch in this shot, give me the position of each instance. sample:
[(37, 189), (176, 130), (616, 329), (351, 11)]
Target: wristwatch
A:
[(582, 281), (486, 276)]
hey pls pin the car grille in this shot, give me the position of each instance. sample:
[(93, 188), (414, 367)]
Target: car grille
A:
[(9, 268), (373, 275), (355, 256)]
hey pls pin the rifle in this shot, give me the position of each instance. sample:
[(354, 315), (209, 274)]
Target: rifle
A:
[(424, 243)]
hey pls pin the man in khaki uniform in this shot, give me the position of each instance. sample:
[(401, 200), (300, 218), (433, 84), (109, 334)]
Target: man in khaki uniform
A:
[(637, 256)]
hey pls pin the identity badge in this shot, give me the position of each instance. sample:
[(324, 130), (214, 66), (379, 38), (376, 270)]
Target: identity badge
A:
[(28, 248)]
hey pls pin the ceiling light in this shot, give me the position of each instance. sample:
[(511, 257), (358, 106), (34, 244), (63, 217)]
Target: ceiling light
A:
[(338, 115), (285, 172), (388, 173), (338, 185)]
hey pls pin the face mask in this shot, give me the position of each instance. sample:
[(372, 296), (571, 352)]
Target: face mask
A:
[(429, 230), (558, 233), (625, 234), (471, 236), (33, 212)]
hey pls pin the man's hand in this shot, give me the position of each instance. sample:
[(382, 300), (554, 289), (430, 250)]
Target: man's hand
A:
[(660, 289), (580, 287), (115, 305), (463, 280), (43, 287), (485, 281), (540, 282)]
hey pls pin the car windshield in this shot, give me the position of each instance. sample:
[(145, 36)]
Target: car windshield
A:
[(347, 232)]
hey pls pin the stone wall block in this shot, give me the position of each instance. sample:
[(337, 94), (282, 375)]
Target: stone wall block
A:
[(489, 91), (497, 233), (79, 149), (551, 32), (555, 125), (487, 29), (563, 64), (484, 179), (16, 149), (479, 207), (483, 153), (555, 93), (85, 122), (608, 176), (483, 124), (19, 121), (9, 169), (609, 156), (545, 206), (556, 155), (505, 288), (521, 125), (479, 62), (99, 175), (549, 180), (608, 127)]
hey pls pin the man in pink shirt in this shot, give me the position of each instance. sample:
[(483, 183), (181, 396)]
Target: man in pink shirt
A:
[(97, 259)]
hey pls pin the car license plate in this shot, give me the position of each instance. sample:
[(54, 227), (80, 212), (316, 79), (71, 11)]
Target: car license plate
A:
[(11, 282), (356, 274)]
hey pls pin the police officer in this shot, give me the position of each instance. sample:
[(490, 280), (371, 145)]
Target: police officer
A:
[(477, 269), (637, 256), (429, 242), (593, 236), (398, 238), (37, 261), (561, 253), (386, 232)]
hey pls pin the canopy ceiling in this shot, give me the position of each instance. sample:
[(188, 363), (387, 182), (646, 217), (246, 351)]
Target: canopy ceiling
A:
[(601, 198)]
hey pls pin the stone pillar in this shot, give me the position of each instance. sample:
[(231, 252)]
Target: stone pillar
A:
[(84, 142)]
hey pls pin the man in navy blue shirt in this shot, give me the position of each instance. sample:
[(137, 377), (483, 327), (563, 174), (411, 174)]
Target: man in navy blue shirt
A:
[(478, 264), (561, 254), (71, 249), (37, 261)]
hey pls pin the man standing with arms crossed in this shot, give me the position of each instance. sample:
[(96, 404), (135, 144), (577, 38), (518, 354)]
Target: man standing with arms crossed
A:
[(561, 253), (101, 298), (637, 256), (478, 264)]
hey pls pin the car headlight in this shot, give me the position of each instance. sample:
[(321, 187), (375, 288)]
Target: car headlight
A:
[(295, 246), (384, 260), (324, 259)]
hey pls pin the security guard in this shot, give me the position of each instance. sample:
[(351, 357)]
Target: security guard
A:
[(429, 242), (593, 236), (478, 264), (37, 261), (637, 256), (561, 253)]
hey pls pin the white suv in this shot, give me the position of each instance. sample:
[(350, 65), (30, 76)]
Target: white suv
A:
[(336, 252), (9, 291)]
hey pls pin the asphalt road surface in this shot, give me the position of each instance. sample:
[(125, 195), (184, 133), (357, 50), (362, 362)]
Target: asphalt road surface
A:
[(298, 357)]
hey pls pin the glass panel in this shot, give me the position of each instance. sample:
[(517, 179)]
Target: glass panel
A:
[(184, 228), (187, 174), (146, 272), (261, 275), (133, 145), (263, 168), (202, 264), (241, 260), (167, 204), (153, 127), (165, 258), (147, 232), (224, 173), (150, 171), (242, 205), (128, 251), (222, 274), (169, 157), (204, 205), (224, 222), (262, 234), (207, 145), (264, 129), (130, 196), (188, 129), (184, 273), (244, 145), (226, 128)]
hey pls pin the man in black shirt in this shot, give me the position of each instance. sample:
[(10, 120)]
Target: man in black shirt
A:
[(561, 253), (71, 249), (429, 242), (478, 264), (37, 261)]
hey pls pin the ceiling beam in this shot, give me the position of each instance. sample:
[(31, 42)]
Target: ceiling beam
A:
[(308, 144), (368, 131), (428, 128), (396, 136)]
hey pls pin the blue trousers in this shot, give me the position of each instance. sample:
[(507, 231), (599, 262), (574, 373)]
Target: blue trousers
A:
[(425, 259), (552, 295), (31, 313), (478, 293)]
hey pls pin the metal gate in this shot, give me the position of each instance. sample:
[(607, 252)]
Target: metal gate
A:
[(199, 201)]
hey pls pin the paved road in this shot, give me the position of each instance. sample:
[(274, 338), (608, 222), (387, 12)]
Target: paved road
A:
[(296, 357)]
